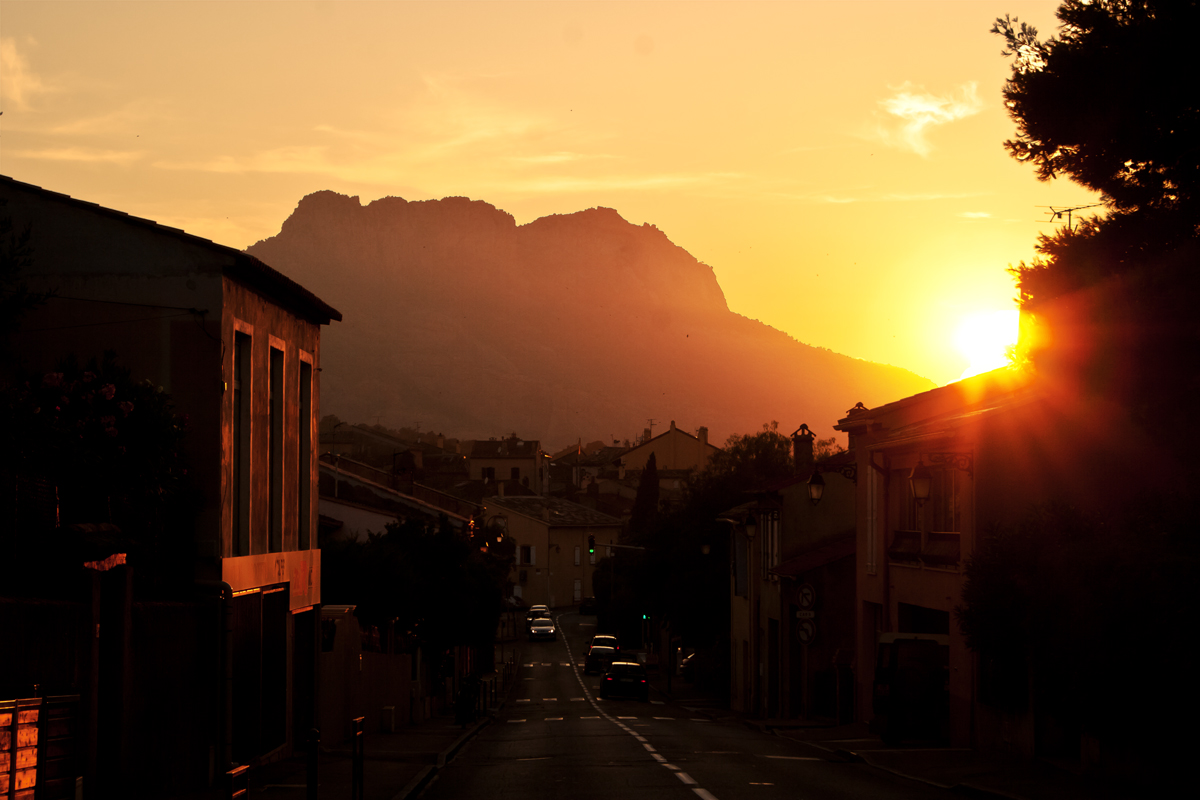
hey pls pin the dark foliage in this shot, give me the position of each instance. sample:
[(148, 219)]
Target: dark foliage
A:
[(110, 447), (439, 587), (1094, 608), (1106, 104), (1107, 101), (645, 504)]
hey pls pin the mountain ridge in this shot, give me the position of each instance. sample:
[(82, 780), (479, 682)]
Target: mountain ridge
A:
[(570, 326)]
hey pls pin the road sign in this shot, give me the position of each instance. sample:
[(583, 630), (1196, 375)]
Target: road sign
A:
[(806, 631), (806, 614), (807, 595)]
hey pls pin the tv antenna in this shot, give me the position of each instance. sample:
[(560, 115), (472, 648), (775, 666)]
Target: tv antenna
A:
[(1056, 213)]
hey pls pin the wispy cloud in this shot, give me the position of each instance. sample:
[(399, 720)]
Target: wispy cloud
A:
[(87, 155), (559, 158), (894, 197), (975, 215), (912, 112), (18, 82)]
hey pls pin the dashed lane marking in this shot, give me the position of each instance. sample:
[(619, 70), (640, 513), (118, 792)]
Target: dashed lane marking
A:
[(577, 699), (515, 721), (523, 699), (553, 719), (641, 738), (660, 759), (664, 718), (626, 717), (549, 699), (670, 766), (649, 747), (688, 779), (704, 794)]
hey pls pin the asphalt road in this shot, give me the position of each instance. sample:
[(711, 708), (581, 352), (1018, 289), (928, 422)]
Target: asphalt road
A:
[(556, 739)]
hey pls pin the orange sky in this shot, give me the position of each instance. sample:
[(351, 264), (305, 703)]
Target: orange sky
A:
[(838, 164)]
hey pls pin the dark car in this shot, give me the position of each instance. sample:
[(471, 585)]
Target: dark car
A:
[(606, 639), (542, 628), (599, 657), (625, 679), (535, 612), (587, 605)]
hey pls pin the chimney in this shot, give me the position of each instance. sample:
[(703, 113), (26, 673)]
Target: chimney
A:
[(672, 424), (645, 435), (441, 442), (702, 435), (802, 449)]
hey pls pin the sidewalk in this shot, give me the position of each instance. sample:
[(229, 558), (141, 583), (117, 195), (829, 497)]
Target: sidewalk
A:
[(959, 770), (396, 765)]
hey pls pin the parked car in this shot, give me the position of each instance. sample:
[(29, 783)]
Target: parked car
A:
[(625, 679), (606, 639), (535, 612), (542, 628), (599, 658), (587, 605)]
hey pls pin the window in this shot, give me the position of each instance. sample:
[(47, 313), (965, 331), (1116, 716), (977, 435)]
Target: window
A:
[(577, 552), (304, 461), (528, 554), (872, 519), (769, 523), (515, 473), (241, 444), (275, 452), (577, 592), (489, 474)]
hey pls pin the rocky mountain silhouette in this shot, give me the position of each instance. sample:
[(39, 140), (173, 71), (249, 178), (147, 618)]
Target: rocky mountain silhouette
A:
[(573, 325)]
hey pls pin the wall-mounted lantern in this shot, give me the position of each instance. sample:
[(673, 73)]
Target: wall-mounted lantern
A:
[(816, 487), (920, 480)]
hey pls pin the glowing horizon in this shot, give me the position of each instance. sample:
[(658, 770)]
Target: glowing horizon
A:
[(846, 187)]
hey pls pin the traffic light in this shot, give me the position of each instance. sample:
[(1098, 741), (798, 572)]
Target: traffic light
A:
[(591, 544)]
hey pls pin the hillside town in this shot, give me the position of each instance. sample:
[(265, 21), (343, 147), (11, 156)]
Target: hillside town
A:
[(214, 586)]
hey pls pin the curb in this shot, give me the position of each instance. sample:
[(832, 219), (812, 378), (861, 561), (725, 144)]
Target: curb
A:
[(427, 774)]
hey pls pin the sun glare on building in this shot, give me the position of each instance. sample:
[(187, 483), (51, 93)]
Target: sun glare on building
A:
[(984, 338)]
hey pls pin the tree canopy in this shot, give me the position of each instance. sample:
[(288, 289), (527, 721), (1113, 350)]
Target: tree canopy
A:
[(1107, 101)]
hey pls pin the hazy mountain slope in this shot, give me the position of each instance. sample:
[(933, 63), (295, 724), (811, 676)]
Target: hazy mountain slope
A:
[(576, 325)]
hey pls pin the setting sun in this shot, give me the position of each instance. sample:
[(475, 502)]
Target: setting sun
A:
[(984, 338)]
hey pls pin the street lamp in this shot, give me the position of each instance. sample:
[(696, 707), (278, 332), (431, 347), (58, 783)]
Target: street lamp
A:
[(920, 479), (816, 487)]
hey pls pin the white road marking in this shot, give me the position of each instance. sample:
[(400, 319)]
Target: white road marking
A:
[(565, 664), (703, 794), (577, 699), (670, 766), (658, 758), (553, 719), (522, 699), (514, 721), (795, 758), (549, 699), (626, 717), (688, 779), (664, 718), (527, 665), (589, 718), (649, 747), (640, 738), (544, 664)]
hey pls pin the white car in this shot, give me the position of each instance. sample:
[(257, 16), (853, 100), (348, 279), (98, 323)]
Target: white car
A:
[(542, 628)]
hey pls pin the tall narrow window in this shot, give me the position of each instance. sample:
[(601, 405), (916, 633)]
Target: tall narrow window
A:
[(304, 461), (241, 444), (275, 452)]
